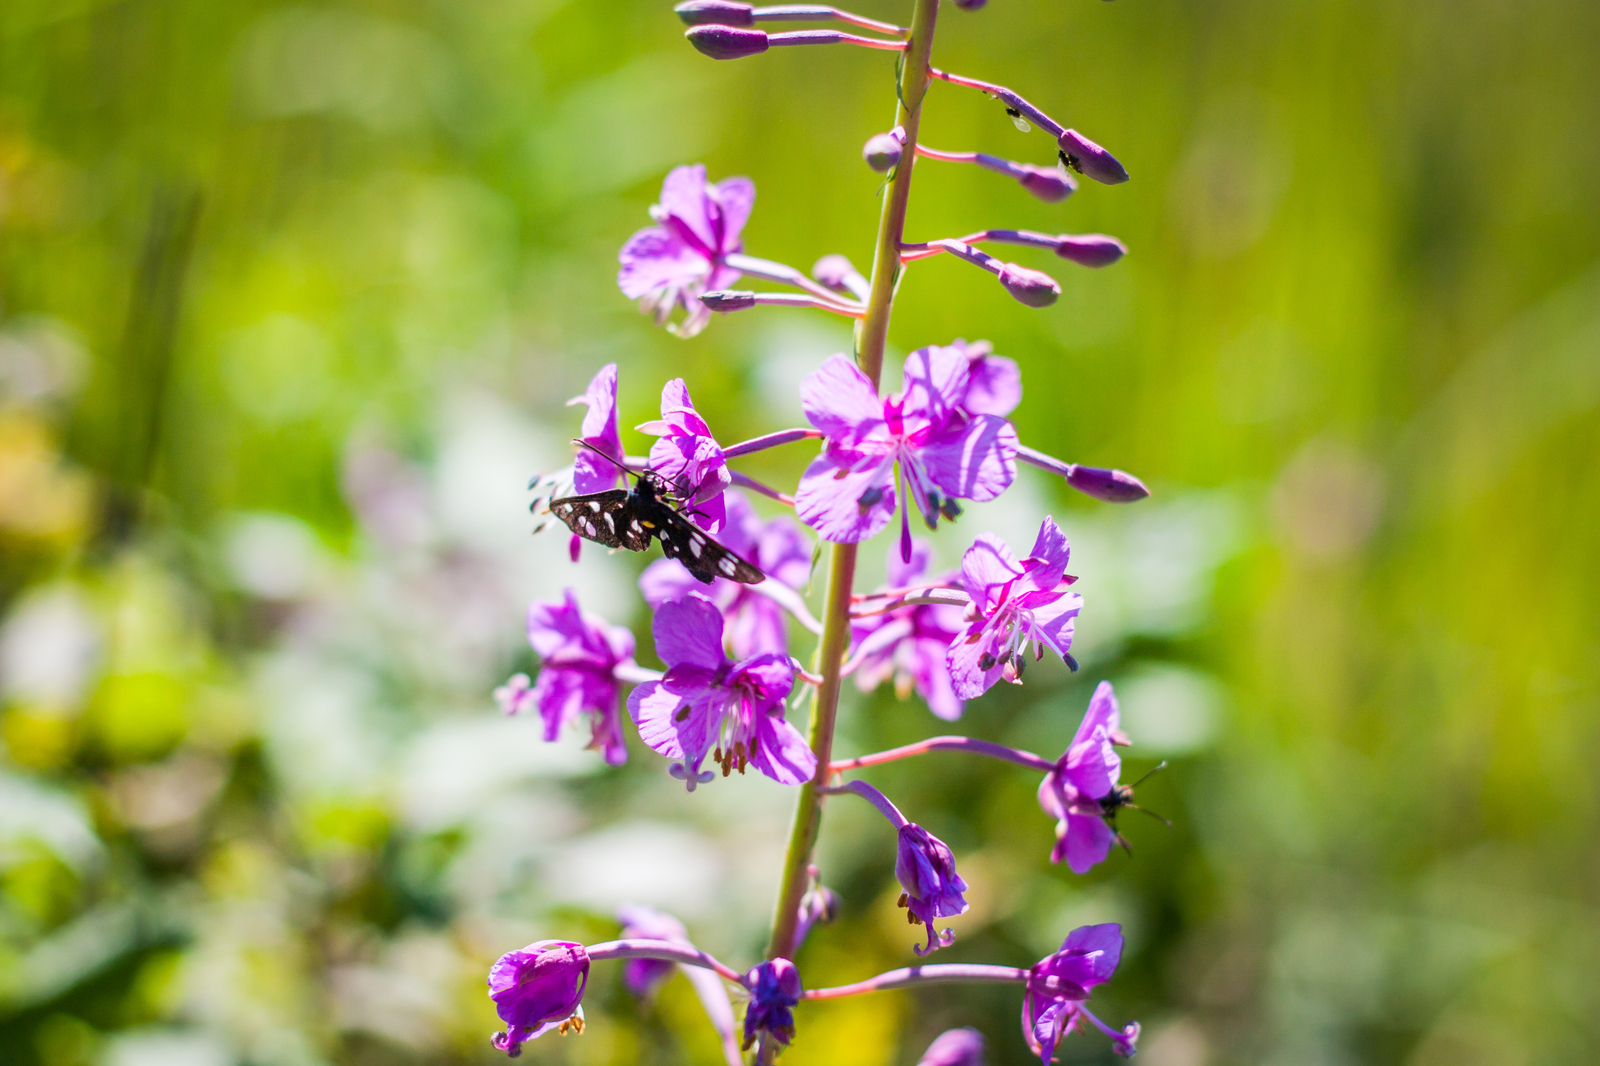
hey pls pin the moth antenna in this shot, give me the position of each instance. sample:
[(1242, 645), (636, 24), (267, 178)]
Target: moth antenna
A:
[(1162, 765), (580, 442), (1122, 842), (1145, 810)]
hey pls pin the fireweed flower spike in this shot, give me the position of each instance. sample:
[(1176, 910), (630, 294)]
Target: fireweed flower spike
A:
[(537, 989), (909, 644), (689, 457), (849, 492), (1014, 603), (1082, 790), (581, 657), (669, 265), (1058, 985), (705, 702), (754, 622)]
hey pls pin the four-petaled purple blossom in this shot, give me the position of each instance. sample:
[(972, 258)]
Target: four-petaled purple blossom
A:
[(537, 989), (954, 1047), (926, 870), (688, 457), (923, 433), (1083, 788), (1014, 603), (774, 992), (683, 255), (708, 701), (754, 623), (1053, 1006), (580, 655), (910, 643), (643, 976)]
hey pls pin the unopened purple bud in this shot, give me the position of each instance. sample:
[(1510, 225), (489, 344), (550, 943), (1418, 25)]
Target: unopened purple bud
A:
[(1126, 1044), (971, 5), (1088, 158), (720, 12), (1091, 249), (726, 300), (1112, 486), (727, 42), (1031, 287), (954, 1047), (882, 152), (832, 270), (774, 992), (1047, 183)]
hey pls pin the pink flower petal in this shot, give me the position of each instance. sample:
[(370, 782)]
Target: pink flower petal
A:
[(840, 401), (830, 503), (688, 632)]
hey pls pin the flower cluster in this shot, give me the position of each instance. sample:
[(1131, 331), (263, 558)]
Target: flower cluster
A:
[(728, 678)]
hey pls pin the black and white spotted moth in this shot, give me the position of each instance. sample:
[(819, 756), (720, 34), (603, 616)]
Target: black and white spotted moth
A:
[(628, 518)]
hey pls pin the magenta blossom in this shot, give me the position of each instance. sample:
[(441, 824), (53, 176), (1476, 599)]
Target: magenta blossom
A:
[(910, 643), (774, 993), (537, 989), (580, 655), (926, 870), (600, 430), (1013, 603), (1083, 787), (688, 457), (1053, 1004), (754, 623), (850, 491), (683, 255), (707, 701)]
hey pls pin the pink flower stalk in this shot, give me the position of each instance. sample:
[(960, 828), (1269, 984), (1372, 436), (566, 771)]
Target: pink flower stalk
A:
[(688, 457), (909, 644), (643, 976), (1083, 789), (706, 701), (1014, 603), (580, 655), (670, 264), (850, 491), (754, 623), (537, 989), (1058, 985)]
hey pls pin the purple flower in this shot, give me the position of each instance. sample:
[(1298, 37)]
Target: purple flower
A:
[(580, 654), (819, 904), (1013, 603), (754, 623), (954, 1047), (1085, 775), (705, 701), (927, 871), (643, 976), (590, 472), (1057, 986), (774, 992), (697, 226), (537, 989), (688, 457), (849, 492), (910, 643)]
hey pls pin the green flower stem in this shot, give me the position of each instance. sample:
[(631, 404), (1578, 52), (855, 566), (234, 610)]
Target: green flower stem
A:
[(872, 333)]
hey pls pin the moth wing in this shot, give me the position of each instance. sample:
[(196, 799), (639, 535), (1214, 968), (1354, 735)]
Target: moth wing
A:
[(595, 517), (701, 556), (636, 524)]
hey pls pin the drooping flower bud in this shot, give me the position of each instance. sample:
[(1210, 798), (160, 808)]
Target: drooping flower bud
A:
[(954, 1047), (1047, 183), (727, 42), (839, 274), (774, 992), (718, 12), (1091, 249), (1031, 287), (926, 870), (537, 989), (726, 300), (1112, 486), (882, 150), (1089, 159), (971, 5)]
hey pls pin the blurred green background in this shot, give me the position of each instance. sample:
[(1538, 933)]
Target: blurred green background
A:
[(290, 298)]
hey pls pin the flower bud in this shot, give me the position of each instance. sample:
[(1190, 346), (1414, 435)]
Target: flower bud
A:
[(954, 1047), (538, 989), (882, 152), (833, 271), (1112, 486), (1127, 1042), (720, 12), (1047, 183), (1091, 249), (926, 870), (727, 42), (774, 992), (1089, 159), (1032, 287), (726, 300), (970, 5)]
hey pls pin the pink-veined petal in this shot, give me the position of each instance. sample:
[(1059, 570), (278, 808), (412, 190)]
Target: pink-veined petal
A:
[(688, 632), (653, 259), (994, 386), (1103, 942), (684, 196), (665, 727), (968, 679), (839, 400), (831, 503), (934, 380), (1086, 843), (1102, 714), (1046, 564), (783, 754), (736, 197), (976, 461), (1093, 764), (986, 569)]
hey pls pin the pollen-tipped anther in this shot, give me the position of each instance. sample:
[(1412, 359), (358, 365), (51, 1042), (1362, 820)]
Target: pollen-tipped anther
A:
[(1090, 160), (727, 42)]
